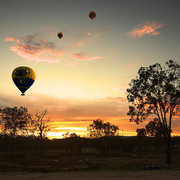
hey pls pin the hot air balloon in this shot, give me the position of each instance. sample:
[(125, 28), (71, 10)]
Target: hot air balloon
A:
[(60, 35), (23, 78), (92, 15)]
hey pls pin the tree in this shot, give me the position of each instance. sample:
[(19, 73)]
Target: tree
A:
[(15, 120), (100, 129), (156, 90), (70, 135), (40, 124), (153, 128), (141, 132)]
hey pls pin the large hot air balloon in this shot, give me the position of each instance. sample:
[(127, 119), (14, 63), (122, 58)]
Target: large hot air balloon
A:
[(92, 15), (23, 78), (60, 35)]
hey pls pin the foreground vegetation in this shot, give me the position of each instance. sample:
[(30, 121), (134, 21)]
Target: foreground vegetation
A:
[(115, 153)]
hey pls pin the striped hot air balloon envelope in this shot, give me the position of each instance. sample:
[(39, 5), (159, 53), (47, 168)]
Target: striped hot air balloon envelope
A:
[(23, 77)]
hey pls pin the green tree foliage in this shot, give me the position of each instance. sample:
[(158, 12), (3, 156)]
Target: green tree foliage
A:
[(40, 125), (156, 90), (15, 120), (101, 129)]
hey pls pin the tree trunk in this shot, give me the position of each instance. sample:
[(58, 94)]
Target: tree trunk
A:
[(167, 141), (168, 150), (41, 132)]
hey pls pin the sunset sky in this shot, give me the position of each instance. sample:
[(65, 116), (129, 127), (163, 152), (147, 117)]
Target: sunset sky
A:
[(84, 75)]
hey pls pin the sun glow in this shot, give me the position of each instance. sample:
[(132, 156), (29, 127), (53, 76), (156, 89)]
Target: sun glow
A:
[(52, 135), (82, 132), (73, 128)]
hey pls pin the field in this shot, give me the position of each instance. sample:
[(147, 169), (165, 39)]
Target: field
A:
[(95, 175), (89, 166)]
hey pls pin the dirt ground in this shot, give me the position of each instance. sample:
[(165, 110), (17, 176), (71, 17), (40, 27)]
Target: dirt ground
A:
[(94, 175)]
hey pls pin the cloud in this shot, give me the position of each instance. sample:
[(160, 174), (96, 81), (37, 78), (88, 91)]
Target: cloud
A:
[(11, 39), (70, 113), (74, 115), (38, 48), (145, 29), (81, 57), (35, 48), (68, 110)]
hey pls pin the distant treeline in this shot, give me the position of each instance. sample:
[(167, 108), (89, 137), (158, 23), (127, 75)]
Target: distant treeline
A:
[(119, 144)]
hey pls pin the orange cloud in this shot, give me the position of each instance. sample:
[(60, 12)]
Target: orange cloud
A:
[(145, 29), (11, 39), (81, 57), (36, 49)]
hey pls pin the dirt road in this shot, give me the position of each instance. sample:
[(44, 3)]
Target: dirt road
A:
[(94, 175)]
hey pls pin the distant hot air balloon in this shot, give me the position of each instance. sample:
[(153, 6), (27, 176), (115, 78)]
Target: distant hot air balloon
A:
[(23, 78), (92, 15), (60, 35)]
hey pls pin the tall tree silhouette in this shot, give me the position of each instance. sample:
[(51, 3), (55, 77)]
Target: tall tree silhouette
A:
[(156, 90), (15, 120)]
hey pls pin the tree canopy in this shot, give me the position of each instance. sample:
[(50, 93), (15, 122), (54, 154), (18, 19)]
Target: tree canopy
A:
[(152, 129), (156, 90), (141, 132), (15, 120), (100, 129)]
